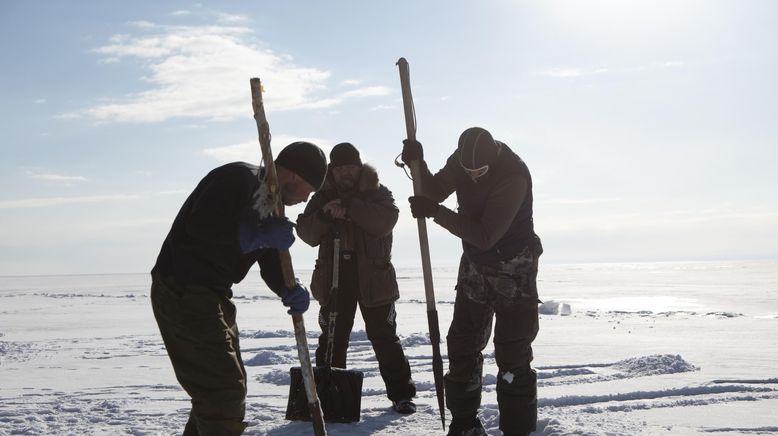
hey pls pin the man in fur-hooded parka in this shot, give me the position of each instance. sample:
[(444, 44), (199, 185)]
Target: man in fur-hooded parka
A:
[(362, 211)]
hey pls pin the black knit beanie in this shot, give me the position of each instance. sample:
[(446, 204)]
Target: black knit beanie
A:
[(344, 154), (477, 148), (306, 160)]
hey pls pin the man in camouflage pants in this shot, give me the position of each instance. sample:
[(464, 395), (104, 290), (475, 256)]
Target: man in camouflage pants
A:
[(497, 276)]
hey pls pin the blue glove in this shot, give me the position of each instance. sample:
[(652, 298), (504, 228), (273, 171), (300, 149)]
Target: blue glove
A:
[(271, 232), (297, 300)]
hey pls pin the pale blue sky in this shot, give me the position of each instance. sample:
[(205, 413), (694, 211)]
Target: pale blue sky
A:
[(648, 126)]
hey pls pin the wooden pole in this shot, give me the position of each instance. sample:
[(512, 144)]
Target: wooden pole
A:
[(429, 291), (271, 178)]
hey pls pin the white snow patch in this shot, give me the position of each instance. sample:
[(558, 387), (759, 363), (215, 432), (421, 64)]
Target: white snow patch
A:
[(415, 339), (276, 377), (654, 365), (268, 358), (553, 307)]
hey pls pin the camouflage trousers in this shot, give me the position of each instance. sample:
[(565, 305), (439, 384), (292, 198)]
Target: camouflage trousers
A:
[(505, 291)]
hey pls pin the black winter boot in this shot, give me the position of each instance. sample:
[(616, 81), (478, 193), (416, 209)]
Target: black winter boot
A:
[(470, 426)]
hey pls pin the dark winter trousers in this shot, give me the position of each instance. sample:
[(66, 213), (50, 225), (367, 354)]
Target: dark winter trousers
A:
[(506, 291), (381, 331), (199, 331)]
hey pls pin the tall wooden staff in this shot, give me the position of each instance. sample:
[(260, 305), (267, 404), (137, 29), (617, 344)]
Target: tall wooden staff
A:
[(429, 291), (271, 178)]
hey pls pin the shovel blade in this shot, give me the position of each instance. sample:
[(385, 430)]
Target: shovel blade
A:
[(339, 391)]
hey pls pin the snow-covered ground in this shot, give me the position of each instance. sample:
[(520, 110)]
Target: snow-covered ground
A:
[(659, 348)]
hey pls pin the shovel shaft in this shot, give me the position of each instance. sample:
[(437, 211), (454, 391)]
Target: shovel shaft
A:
[(314, 407), (331, 322), (332, 301), (271, 178)]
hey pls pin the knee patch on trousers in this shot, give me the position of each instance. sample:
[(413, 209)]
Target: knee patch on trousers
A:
[(518, 379)]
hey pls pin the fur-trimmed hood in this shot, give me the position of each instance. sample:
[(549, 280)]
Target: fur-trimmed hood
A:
[(368, 179)]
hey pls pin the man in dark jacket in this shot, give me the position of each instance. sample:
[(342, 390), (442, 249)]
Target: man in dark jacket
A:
[(223, 228), (497, 276), (363, 212)]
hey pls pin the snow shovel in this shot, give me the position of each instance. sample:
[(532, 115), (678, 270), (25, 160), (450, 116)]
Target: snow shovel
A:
[(339, 389)]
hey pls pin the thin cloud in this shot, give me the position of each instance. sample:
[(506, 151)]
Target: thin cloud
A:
[(181, 13), (203, 72), (562, 72), (578, 201), (40, 101), (135, 223), (369, 91), (232, 18), (249, 151), (573, 72), (142, 24), (28, 203), (716, 214), (646, 218), (50, 177), (171, 192), (568, 72)]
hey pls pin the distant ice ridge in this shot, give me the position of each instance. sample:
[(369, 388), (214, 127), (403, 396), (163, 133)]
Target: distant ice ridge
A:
[(412, 340), (643, 366)]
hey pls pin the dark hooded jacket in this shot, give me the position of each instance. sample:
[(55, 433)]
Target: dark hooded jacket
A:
[(371, 215), (494, 218), (202, 247)]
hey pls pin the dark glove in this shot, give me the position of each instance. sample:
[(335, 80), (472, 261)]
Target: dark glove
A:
[(423, 207), (271, 232), (297, 299), (412, 151)]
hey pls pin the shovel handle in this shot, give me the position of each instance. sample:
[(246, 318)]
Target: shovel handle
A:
[(332, 301), (271, 178)]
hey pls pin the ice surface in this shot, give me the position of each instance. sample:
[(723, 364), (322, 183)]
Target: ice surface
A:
[(667, 348)]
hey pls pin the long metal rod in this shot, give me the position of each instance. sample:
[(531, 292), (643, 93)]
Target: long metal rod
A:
[(429, 291), (271, 178), (332, 302)]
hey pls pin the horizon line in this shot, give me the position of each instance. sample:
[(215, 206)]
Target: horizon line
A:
[(445, 265)]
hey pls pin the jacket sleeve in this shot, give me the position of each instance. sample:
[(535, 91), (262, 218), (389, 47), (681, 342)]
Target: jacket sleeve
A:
[(376, 213), (312, 227), (501, 207), (442, 184), (270, 269)]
